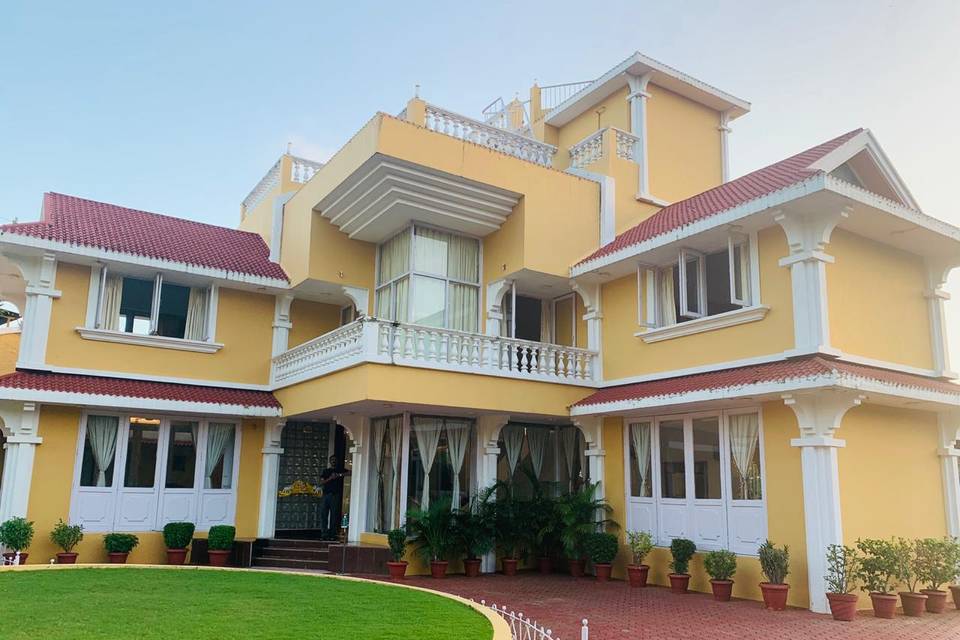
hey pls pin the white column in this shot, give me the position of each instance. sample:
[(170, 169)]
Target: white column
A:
[(359, 429), (592, 429), (281, 324), (590, 294), (724, 129), (40, 274), (22, 422), (488, 452), (269, 478), (949, 423), (494, 302), (819, 415), (638, 127), (807, 235), (937, 295)]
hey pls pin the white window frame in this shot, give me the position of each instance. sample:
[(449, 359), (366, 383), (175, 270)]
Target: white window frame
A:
[(732, 513), (573, 318), (701, 279), (743, 268), (110, 497)]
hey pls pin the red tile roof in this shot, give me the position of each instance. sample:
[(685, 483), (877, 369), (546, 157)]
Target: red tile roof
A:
[(779, 371), (728, 195), (124, 388), (88, 223)]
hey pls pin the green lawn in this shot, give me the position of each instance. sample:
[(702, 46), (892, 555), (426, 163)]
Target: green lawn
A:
[(167, 604)]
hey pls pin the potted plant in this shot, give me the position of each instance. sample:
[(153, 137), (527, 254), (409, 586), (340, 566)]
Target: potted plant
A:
[(641, 544), (578, 517), (720, 566), (876, 572), (177, 536), (936, 566), (913, 603), (431, 533), (66, 537), (220, 544), (602, 548), (16, 534), (119, 546), (474, 532), (682, 551), (511, 531), (775, 565), (397, 539), (543, 523), (842, 563), (955, 589)]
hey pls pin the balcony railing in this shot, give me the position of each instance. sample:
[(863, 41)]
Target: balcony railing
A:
[(380, 341), (591, 148), (464, 128)]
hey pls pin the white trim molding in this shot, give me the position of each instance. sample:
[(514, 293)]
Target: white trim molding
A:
[(269, 477), (20, 422), (40, 274), (281, 324), (638, 127), (949, 427), (163, 342), (724, 129), (608, 202), (706, 323), (937, 295)]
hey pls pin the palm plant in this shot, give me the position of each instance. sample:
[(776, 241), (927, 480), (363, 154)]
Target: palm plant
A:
[(511, 523), (543, 535), (432, 531), (582, 513), (474, 526)]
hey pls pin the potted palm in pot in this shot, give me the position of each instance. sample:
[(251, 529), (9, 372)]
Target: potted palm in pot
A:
[(682, 551), (602, 548), (474, 532), (876, 572), (911, 600), (397, 539), (510, 522), (67, 537), (842, 563), (720, 566), (936, 566), (16, 534), (220, 544), (641, 544), (119, 546), (775, 565), (580, 514), (177, 536), (431, 533), (543, 522)]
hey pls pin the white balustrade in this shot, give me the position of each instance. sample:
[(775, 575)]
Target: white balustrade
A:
[(263, 187), (372, 340), (302, 169), (588, 150), (553, 95), (464, 128), (626, 144)]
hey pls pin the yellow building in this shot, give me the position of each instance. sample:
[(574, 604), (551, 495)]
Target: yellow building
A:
[(572, 285)]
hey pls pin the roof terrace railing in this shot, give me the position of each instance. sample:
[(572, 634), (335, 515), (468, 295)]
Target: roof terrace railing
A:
[(470, 130)]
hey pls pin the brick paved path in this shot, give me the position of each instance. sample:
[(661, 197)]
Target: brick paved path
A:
[(616, 611)]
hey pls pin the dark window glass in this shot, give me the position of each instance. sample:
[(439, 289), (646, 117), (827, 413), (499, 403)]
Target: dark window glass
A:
[(135, 303), (182, 455), (706, 458), (142, 440), (672, 465), (172, 319)]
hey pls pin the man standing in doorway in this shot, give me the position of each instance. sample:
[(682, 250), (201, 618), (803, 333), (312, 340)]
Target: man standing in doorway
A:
[(331, 479)]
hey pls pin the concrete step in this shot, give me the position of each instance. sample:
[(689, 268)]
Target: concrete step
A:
[(295, 543), (294, 553), (290, 563)]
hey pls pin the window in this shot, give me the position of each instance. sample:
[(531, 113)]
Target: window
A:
[(641, 480), (745, 482), (181, 455), (429, 277), (552, 456), (383, 498), (439, 462), (143, 438), (672, 460), (347, 314), (99, 445)]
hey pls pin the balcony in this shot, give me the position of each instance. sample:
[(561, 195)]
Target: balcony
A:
[(370, 340)]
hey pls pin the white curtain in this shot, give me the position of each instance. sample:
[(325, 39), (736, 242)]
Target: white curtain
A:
[(463, 258), (537, 442), (668, 308), (427, 432), (430, 249), (513, 443), (197, 305), (379, 430), (546, 321), (640, 436), (395, 429), (219, 436), (102, 435), (744, 440), (402, 300), (568, 438), (110, 305), (394, 257), (464, 302), (458, 438)]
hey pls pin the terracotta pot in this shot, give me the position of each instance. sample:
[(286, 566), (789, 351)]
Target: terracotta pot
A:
[(438, 568), (884, 605), (576, 568), (602, 569), (637, 574), (176, 556), (219, 557), (397, 569), (955, 592), (774, 595), (843, 606), (721, 590), (66, 558), (509, 566), (471, 566), (118, 557), (679, 582), (913, 603), (936, 600), (545, 565)]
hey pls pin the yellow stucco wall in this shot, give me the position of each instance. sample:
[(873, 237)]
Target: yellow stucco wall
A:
[(311, 319), (612, 111), (9, 350), (244, 327), (876, 304)]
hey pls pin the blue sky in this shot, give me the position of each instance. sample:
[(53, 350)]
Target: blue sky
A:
[(181, 107)]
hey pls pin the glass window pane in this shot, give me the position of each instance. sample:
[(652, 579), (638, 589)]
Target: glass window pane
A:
[(135, 305), (384, 303), (99, 451), (218, 468), (706, 458), (672, 467), (464, 307), (394, 257), (641, 482), (692, 272), (463, 259), (181, 455), (172, 318), (738, 271), (745, 480), (142, 441), (430, 251), (429, 301)]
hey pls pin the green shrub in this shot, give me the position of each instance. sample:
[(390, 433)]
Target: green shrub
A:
[(720, 565), (120, 542), (66, 536), (602, 547), (641, 544), (906, 563), (936, 561), (474, 530), (431, 531), (220, 537), (774, 562), (842, 564), (682, 551), (877, 569), (178, 535), (578, 513), (16, 534), (397, 539)]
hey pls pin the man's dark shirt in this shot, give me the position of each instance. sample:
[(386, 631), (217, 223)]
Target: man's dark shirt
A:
[(335, 486)]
